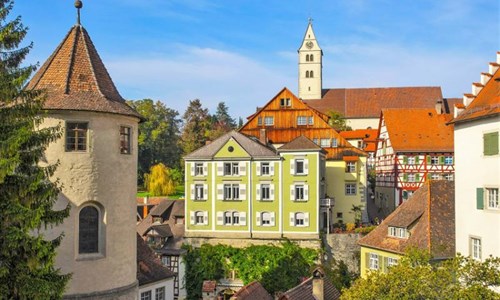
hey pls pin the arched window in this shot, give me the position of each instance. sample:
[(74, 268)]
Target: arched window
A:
[(88, 230), (299, 219), (311, 57), (311, 74), (307, 74), (266, 218), (307, 57)]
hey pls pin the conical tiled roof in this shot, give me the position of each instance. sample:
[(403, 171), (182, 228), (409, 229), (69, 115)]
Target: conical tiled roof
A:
[(75, 78)]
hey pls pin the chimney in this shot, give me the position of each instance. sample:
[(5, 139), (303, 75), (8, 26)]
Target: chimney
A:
[(318, 284), (263, 136), (439, 107), (145, 207)]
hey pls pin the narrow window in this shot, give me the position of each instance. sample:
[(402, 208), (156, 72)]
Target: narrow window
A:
[(124, 140), (259, 121), (264, 169), (311, 57), (307, 74), (310, 120), (475, 248), (88, 233), (198, 169), (311, 74), (265, 192), (373, 261), (160, 293), (307, 57), (492, 198), (198, 192), (299, 166), (76, 136), (299, 192)]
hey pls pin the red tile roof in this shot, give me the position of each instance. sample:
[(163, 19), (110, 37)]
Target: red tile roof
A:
[(369, 137), (75, 78), (149, 268), (252, 291), (418, 130), (429, 215), (368, 102)]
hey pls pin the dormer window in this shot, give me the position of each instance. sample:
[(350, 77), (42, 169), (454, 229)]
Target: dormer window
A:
[(157, 220), (398, 232)]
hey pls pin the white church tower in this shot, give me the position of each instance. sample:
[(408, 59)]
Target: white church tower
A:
[(310, 66)]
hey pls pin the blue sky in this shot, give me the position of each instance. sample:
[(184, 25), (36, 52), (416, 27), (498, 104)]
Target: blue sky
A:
[(243, 52)]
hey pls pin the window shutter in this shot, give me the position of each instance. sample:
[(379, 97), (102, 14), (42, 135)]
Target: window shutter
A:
[(292, 166), (205, 191), (220, 192), (272, 219), (191, 217), (257, 190), (220, 218), (441, 160), (382, 263), (193, 192), (205, 218), (243, 168), (480, 198), (405, 160), (292, 219), (367, 260), (205, 169), (429, 176), (257, 216), (417, 177), (257, 165), (306, 166), (428, 159), (490, 141), (292, 192), (306, 192), (306, 219), (220, 168), (243, 192), (405, 177), (271, 192), (271, 168), (192, 168), (417, 160), (243, 218)]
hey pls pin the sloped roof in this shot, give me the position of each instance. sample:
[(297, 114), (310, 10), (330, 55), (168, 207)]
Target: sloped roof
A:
[(429, 215), (486, 104), (75, 78), (304, 291), (368, 102), (300, 143), (418, 130), (369, 137), (163, 230), (252, 291), (149, 268), (253, 147)]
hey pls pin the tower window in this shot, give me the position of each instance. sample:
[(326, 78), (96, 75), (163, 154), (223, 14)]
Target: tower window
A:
[(88, 233), (311, 74), (307, 57), (307, 74), (311, 57), (76, 136), (125, 140)]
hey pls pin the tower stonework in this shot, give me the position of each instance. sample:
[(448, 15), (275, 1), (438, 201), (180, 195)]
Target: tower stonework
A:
[(310, 66), (97, 156)]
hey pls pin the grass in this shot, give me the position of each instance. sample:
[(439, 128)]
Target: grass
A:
[(178, 194)]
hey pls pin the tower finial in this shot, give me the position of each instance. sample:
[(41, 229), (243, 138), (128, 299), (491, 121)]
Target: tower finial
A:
[(78, 5), (310, 20)]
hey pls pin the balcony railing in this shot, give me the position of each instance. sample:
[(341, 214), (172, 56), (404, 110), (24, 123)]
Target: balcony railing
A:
[(328, 202)]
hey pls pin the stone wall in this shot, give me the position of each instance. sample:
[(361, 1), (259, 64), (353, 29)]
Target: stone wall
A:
[(242, 243), (343, 246)]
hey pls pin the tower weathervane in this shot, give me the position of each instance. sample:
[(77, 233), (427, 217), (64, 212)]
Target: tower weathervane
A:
[(78, 5)]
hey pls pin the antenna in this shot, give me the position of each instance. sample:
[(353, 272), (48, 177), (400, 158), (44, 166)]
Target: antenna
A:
[(78, 5)]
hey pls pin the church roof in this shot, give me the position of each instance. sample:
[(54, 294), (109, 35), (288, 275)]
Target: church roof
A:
[(75, 78), (368, 102)]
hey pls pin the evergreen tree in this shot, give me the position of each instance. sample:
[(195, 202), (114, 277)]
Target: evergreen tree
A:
[(26, 194), (196, 127), (223, 118), (240, 122)]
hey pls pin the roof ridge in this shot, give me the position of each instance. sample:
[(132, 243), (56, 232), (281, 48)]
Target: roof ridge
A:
[(92, 66), (71, 60)]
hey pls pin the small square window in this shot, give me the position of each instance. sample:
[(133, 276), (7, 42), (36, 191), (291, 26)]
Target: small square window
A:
[(340, 215), (350, 189)]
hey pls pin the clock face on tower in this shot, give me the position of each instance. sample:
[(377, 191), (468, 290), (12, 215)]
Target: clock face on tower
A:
[(309, 44)]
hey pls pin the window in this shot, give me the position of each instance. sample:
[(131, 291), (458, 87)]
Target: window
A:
[(311, 74), (411, 178), (311, 57), (299, 166), (88, 233), (475, 245), (448, 176), (490, 143), (492, 198), (301, 120), (265, 219), (269, 121), (179, 220), (434, 160), (350, 189), (299, 192), (259, 121), (411, 160), (448, 160), (199, 218), (435, 176), (307, 74), (124, 140), (350, 167), (392, 261), (340, 215), (231, 169), (373, 262), (300, 219), (146, 295), (198, 194), (307, 57), (231, 191), (398, 232), (231, 218), (198, 169), (324, 142), (265, 192), (76, 136), (265, 169), (285, 102), (334, 142), (316, 141), (310, 120), (160, 293)]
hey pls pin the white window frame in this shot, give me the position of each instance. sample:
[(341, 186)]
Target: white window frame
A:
[(412, 177), (259, 121), (198, 169), (350, 189), (435, 176), (265, 218), (411, 160), (199, 192), (310, 120), (350, 166), (231, 169), (160, 293), (146, 295), (448, 160), (199, 218), (231, 191), (374, 261), (265, 191), (391, 261), (265, 168), (300, 191), (434, 160), (269, 121), (301, 120), (475, 248), (324, 142), (300, 219), (448, 176), (491, 195), (297, 163)]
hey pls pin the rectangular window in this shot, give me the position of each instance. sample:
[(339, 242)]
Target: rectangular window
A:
[(300, 219), (392, 261), (373, 263), (490, 143), (434, 160), (146, 295), (269, 121), (299, 166), (299, 192), (198, 169), (264, 169), (411, 178), (231, 169), (199, 218), (324, 142), (265, 219), (259, 121), (160, 293), (76, 136), (448, 176), (231, 191), (334, 142), (301, 120), (316, 141), (350, 167), (411, 160), (198, 195), (310, 120), (435, 176), (492, 198), (285, 102), (125, 140), (350, 189), (448, 160), (392, 231), (475, 244), (340, 215), (265, 192)]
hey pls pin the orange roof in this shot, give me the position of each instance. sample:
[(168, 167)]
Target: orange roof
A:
[(486, 104), (418, 130), (365, 134)]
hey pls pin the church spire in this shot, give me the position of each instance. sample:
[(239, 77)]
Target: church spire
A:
[(310, 66)]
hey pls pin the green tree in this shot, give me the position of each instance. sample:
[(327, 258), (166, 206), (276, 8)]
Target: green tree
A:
[(417, 277), (338, 273), (159, 181), (221, 122), (196, 126), (159, 136), (26, 194), (337, 121), (240, 122)]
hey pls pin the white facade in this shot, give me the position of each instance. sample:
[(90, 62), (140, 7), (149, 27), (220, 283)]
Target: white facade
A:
[(310, 67), (160, 290), (473, 171)]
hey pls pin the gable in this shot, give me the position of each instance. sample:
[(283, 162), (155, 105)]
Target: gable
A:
[(231, 149)]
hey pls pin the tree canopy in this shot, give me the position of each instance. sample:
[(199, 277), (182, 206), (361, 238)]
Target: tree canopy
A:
[(338, 121), (159, 181), (196, 125), (27, 194)]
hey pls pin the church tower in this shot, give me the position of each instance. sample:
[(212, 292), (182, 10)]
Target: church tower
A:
[(310, 66)]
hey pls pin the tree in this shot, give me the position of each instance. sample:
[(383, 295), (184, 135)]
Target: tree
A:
[(159, 181), (158, 136), (221, 122), (337, 121), (26, 194), (240, 122), (338, 273), (196, 125), (357, 211), (417, 277)]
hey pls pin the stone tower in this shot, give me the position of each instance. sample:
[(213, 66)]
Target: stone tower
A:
[(310, 66), (97, 169)]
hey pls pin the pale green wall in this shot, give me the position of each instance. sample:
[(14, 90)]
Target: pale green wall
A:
[(382, 256), (269, 206)]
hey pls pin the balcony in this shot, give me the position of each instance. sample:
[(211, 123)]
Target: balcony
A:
[(328, 202)]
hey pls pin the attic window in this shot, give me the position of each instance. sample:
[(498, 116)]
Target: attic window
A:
[(398, 232), (285, 102), (230, 149)]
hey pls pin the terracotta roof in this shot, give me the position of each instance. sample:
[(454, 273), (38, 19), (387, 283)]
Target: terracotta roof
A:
[(418, 130), (368, 102), (252, 146), (75, 78), (429, 215), (369, 137), (252, 291), (149, 268), (486, 104), (304, 291), (209, 286), (300, 143)]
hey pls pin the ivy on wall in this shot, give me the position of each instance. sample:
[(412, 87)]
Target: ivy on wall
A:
[(277, 268)]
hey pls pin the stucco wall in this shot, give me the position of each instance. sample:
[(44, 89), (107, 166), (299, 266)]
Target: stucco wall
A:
[(168, 284), (108, 179)]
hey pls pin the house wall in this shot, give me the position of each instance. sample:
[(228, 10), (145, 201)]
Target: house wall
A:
[(475, 170), (382, 256), (107, 179), (168, 284), (363, 123)]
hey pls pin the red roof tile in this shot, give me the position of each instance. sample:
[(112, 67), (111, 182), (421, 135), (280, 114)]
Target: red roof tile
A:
[(252, 291)]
